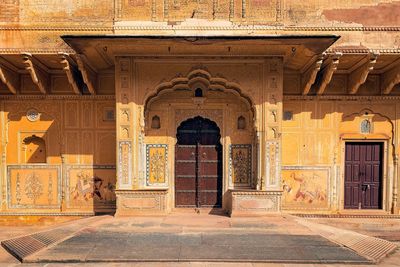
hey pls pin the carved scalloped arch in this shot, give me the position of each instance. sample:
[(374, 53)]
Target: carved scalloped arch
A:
[(195, 77)]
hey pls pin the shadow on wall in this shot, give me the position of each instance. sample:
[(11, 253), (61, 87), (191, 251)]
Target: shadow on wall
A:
[(39, 143)]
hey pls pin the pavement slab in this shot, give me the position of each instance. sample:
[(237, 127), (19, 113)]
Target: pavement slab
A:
[(200, 240), (113, 246)]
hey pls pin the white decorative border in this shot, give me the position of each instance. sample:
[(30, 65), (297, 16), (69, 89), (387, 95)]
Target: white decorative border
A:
[(328, 185), (268, 165), (249, 156), (33, 167), (120, 166), (148, 146), (68, 178)]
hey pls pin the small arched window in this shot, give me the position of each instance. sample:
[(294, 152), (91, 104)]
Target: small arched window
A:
[(35, 149), (155, 122), (241, 123), (198, 92)]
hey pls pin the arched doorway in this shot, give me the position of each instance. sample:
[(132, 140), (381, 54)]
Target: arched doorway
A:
[(198, 164)]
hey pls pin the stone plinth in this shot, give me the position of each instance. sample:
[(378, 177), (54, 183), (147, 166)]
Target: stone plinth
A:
[(253, 202), (141, 202)]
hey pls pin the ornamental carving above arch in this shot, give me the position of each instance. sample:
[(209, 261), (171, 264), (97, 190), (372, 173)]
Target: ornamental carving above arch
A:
[(199, 78)]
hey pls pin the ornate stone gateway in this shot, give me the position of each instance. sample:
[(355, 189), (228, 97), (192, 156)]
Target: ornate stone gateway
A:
[(198, 164)]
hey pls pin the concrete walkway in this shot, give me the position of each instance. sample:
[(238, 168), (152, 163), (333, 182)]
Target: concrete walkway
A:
[(188, 239)]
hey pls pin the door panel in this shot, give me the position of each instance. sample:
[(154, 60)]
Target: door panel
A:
[(198, 164), (185, 174), (363, 176)]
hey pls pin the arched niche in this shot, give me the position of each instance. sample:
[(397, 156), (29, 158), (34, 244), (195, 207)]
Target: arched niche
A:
[(35, 149)]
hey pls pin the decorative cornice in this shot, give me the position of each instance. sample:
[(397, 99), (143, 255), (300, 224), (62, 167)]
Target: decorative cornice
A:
[(46, 28), (365, 216), (341, 28), (363, 50), (342, 97), (36, 51), (57, 97), (234, 27), (29, 213), (238, 192), (67, 50), (152, 191)]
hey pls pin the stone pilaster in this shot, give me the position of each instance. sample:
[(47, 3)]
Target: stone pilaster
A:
[(272, 123), (3, 169), (124, 128)]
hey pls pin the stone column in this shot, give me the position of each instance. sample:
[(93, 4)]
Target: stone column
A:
[(395, 209)]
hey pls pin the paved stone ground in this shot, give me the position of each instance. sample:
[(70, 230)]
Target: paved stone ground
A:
[(194, 237), (385, 228), (225, 246)]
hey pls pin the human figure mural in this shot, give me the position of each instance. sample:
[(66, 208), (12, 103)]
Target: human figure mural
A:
[(304, 187), (89, 187)]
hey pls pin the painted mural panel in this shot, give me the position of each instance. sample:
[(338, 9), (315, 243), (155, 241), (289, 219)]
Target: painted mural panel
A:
[(156, 164), (33, 187), (90, 187), (305, 188), (240, 164)]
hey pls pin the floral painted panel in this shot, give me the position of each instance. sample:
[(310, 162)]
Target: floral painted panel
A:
[(91, 187), (305, 188), (33, 186), (156, 164), (240, 164)]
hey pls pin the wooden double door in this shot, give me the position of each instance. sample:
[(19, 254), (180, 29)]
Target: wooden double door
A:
[(363, 175), (198, 164)]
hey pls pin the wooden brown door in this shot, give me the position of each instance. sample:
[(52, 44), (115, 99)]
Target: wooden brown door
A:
[(363, 176), (198, 164)]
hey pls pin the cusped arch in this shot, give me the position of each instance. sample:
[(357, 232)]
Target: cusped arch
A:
[(367, 111), (206, 80)]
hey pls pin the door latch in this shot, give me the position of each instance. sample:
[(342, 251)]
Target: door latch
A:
[(365, 187)]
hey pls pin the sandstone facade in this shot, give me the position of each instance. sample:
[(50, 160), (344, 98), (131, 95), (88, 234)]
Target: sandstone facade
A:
[(303, 96)]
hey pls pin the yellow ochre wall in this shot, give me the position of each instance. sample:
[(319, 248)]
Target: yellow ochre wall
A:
[(313, 145), (78, 175)]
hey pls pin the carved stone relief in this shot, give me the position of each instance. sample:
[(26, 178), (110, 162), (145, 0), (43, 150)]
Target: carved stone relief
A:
[(272, 164), (125, 165)]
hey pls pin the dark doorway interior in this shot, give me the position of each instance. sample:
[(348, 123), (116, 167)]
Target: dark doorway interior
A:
[(363, 175), (198, 164)]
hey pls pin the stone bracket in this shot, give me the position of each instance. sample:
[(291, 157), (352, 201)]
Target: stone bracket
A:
[(359, 76), (89, 75), (10, 79), (39, 76), (309, 76), (327, 72), (72, 72), (390, 79)]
